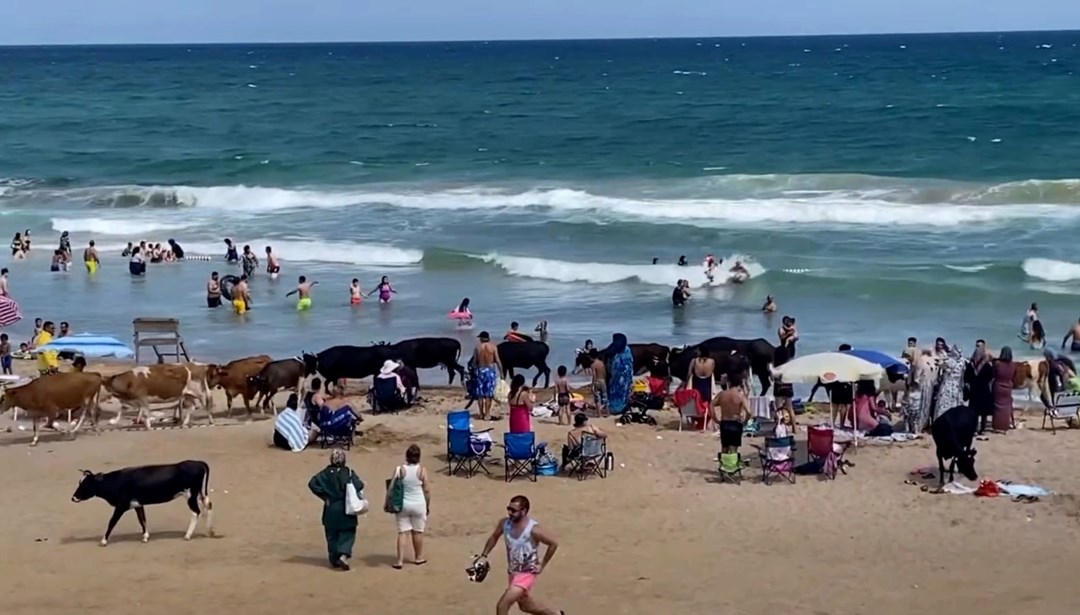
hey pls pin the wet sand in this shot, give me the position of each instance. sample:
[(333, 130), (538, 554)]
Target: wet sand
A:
[(658, 535)]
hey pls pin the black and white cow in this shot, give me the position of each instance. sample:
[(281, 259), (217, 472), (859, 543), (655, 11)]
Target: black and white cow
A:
[(145, 485)]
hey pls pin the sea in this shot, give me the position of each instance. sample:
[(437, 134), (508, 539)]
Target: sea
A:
[(878, 187)]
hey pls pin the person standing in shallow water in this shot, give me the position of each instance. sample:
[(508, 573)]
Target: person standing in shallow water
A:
[(329, 486)]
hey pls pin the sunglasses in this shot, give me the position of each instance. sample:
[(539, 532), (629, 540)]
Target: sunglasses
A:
[(512, 510)]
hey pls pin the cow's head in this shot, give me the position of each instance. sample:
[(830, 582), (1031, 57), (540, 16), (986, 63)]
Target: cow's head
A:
[(965, 463), (88, 486), (311, 363)]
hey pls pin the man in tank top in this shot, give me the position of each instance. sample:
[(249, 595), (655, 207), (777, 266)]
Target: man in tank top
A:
[(523, 538)]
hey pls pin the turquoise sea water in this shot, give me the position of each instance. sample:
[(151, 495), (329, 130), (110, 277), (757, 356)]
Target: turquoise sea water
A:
[(879, 186)]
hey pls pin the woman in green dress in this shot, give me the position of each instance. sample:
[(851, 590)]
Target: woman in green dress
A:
[(329, 486)]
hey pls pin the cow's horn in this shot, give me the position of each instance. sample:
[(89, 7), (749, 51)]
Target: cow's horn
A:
[(86, 472)]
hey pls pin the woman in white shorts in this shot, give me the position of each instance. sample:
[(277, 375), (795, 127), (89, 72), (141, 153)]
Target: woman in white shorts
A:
[(415, 507)]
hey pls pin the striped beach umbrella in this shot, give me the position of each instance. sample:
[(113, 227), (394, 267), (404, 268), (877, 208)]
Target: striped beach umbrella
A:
[(9, 312)]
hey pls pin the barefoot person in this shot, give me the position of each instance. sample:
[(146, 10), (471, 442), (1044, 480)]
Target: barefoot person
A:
[(488, 368), (523, 537), (731, 410), (303, 288), (213, 291), (273, 267), (1074, 335), (90, 258)]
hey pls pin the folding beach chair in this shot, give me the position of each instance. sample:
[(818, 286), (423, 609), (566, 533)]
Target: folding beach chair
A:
[(592, 458), (820, 447), (777, 459), (464, 449), (691, 409), (730, 467), (1066, 408), (521, 455), (334, 431)]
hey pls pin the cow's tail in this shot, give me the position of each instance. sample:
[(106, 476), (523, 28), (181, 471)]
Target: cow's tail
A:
[(204, 496)]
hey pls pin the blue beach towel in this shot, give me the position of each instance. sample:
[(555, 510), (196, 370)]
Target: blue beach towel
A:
[(289, 424)]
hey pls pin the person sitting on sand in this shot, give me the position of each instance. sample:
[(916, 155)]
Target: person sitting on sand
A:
[(291, 432), (572, 448)]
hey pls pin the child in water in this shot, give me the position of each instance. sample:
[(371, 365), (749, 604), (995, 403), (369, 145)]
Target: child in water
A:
[(462, 314), (356, 296)]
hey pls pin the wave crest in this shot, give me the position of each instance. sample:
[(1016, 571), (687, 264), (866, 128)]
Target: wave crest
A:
[(1051, 270), (609, 273)]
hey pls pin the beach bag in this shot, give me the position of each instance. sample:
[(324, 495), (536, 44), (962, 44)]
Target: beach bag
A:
[(502, 391), (395, 493), (355, 504)]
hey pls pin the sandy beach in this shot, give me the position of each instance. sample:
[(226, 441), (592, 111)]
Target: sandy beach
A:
[(658, 535)]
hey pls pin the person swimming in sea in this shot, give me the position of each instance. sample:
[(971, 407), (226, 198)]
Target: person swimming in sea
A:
[(710, 265), (230, 252), (303, 288), (273, 267), (385, 290), (176, 249), (356, 296), (682, 261), (739, 272), (680, 294), (770, 305), (462, 314)]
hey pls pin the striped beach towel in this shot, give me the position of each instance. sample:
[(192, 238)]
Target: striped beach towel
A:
[(9, 312), (290, 425)]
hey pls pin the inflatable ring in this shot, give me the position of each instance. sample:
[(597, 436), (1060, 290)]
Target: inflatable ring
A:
[(227, 283)]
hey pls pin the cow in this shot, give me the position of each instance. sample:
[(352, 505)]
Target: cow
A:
[(145, 485), (761, 354), (183, 383), (235, 378), (49, 395), (280, 374), (338, 362), (428, 352), (645, 356), (953, 432), (523, 355)]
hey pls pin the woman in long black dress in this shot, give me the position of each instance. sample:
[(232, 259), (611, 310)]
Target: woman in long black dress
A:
[(978, 384)]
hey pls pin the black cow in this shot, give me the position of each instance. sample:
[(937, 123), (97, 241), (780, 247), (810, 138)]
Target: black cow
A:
[(145, 485), (339, 362), (953, 431), (726, 364), (281, 374), (429, 352), (646, 356), (761, 354), (523, 355)]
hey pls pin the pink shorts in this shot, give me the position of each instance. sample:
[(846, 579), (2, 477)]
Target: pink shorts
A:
[(524, 580)]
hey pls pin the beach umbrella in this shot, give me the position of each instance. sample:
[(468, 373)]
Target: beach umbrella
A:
[(890, 363), (9, 311), (829, 367), (90, 346)]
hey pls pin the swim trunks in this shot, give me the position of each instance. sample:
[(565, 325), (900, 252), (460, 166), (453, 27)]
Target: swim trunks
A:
[(356, 300), (303, 304), (486, 379), (213, 302), (523, 580), (1075, 346), (239, 305), (91, 266), (731, 434)]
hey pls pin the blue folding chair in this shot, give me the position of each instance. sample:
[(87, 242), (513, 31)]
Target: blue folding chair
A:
[(462, 451), (521, 455)]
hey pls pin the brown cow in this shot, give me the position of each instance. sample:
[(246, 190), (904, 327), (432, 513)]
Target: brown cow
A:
[(184, 383), (50, 395), (235, 378)]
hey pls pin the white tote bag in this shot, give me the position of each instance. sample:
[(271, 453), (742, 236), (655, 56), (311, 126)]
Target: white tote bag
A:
[(355, 504)]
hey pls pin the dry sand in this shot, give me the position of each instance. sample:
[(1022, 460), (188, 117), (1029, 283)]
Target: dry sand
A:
[(657, 536)]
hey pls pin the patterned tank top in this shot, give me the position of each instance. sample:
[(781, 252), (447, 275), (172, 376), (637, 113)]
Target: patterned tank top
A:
[(521, 551)]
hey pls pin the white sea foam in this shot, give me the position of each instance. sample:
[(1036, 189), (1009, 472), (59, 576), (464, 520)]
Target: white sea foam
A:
[(609, 273), (969, 268), (1051, 270), (112, 226)]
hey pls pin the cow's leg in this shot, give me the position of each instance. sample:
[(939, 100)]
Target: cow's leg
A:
[(141, 514), (33, 420), (144, 412), (209, 407), (194, 495), (941, 471), (119, 415), (82, 417), (116, 514), (765, 380)]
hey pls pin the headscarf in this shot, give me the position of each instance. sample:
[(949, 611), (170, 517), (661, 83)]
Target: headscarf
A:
[(955, 352), (337, 457), (979, 358), (618, 344)]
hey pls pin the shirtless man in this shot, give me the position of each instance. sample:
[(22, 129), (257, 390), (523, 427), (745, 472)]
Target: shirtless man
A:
[(599, 380), (303, 288), (488, 369), (213, 291), (273, 267), (1074, 334), (731, 410), (770, 305), (241, 296), (90, 258)]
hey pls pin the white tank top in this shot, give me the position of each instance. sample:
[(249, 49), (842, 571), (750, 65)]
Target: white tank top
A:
[(521, 552), (414, 489)]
